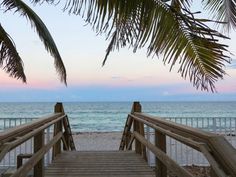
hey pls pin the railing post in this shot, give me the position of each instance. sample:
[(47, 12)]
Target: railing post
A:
[(137, 108), (59, 108), (38, 144), (143, 148), (57, 128), (127, 140), (213, 173), (160, 142), (68, 135), (137, 143)]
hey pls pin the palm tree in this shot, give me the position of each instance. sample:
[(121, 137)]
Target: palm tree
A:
[(10, 60), (168, 28)]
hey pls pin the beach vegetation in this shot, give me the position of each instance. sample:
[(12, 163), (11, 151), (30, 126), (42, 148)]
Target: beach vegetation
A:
[(168, 29), (10, 60)]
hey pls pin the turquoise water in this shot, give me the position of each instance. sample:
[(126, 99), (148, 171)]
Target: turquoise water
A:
[(111, 116)]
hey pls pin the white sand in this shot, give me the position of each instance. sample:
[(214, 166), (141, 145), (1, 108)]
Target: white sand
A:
[(97, 141)]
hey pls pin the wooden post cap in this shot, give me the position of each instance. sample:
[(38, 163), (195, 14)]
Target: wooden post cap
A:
[(59, 108)]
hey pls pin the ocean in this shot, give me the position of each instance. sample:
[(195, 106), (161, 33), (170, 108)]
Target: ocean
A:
[(111, 116)]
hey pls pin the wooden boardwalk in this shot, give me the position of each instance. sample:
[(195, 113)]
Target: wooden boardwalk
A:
[(67, 162), (105, 163)]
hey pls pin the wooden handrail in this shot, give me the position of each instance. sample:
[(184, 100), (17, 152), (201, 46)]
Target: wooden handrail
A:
[(187, 141), (12, 133), (221, 150), (163, 157), (177, 128), (14, 137), (217, 150), (23, 170), (12, 144)]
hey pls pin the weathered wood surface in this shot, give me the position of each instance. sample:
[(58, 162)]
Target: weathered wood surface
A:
[(105, 163), (166, 160), (219, 152), (160, 142), (38, 144), (36, 157), (23, 129)]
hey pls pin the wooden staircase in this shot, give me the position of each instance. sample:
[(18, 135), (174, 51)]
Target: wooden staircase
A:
[(99, 163), (67, 162)]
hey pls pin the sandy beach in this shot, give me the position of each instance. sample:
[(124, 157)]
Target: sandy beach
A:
[(97, 141)]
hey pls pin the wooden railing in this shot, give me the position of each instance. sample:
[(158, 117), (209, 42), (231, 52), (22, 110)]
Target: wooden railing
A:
[(217, 150), (14, 137)]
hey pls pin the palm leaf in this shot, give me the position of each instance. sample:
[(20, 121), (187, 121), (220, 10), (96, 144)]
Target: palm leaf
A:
[(45, 36), (223, 11), (166, 27), (9, 58), (169, 29)]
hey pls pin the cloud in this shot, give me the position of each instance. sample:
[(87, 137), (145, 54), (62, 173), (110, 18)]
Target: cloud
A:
[(116, 77), (165, 93), (148, 77), (232, 65), (121, 79)]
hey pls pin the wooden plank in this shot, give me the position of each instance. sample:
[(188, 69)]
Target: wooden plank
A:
[(215, 167), (136, 107), (160, 142), (143, 148), (224, 153), (38, 144), (99, 164), (65, 143), (68, 134), (137, 143), (9, 146), (98, 175), (126, 133), (183, 130), (136, 127), (185, 140), (11, 133), (20, 158), (220, 148), (57, 146), (129, 146), (58, 108), (23, 170), (169, 163), (128, 138)]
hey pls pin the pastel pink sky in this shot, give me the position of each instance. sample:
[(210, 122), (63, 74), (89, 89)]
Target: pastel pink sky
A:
[(83, 52)]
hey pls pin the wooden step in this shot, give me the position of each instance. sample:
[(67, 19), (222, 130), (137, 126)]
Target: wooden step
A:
[(99, 164)]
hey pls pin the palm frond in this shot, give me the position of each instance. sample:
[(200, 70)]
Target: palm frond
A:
[(10, 61), (44, 34), (166, 27), (223, 11), (180, 4)]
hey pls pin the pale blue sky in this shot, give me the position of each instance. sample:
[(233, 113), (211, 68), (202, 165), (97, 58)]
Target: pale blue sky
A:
[(125, 77)]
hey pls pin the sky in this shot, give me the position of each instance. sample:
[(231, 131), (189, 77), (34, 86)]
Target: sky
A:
[(127, 76)]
